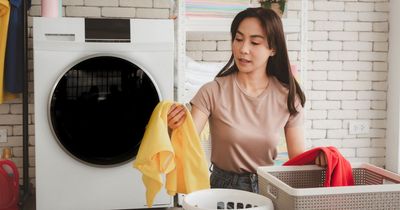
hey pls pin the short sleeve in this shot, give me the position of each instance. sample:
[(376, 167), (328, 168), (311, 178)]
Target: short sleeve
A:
[(296, 119), (204, 98)]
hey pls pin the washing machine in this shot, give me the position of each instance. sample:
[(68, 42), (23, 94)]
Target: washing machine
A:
[(96, 83)]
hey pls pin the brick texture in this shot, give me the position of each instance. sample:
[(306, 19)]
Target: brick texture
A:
[(349, 41)]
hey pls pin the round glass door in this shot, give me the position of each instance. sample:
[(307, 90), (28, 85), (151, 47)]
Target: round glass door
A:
[(99, 110)]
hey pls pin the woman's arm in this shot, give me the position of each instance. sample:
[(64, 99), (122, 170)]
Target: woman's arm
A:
[(295, 144), (177, 115), (199, 119), (295, 140)]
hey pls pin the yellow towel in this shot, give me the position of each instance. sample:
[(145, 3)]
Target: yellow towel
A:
[(4, 20), (181, 158)]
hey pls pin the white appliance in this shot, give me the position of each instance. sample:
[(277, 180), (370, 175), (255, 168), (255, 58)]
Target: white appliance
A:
[(96, 82)]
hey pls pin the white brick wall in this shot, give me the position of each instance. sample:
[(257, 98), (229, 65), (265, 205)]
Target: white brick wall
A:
[(378, 104), (349, 41), (359, 6), (318, 35), (201, 45), (326, 45), (357, 65), (101, 3), (343, 36), (357, 85), (118, 12), (68, 2), (216, 56), (357, 26), (208, 46), (328, 5), (136, 3), (328, 26), (381, 26), (373, 16), (152, 13), (81, 11)]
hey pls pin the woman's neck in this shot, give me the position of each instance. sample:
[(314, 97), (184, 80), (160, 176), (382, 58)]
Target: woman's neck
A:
[(252, 83)]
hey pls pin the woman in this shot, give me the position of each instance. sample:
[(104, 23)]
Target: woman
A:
[(248, 104)]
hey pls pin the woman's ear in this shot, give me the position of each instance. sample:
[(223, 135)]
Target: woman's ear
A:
[(273, 52)]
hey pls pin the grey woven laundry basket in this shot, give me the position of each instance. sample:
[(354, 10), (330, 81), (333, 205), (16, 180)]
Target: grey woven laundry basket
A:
[(301, 187)]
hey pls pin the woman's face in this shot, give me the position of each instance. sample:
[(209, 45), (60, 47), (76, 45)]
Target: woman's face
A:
[(250, 47)]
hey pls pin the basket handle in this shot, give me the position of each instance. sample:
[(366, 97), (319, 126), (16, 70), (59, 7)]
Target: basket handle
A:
[(388, 175), (269, 191)]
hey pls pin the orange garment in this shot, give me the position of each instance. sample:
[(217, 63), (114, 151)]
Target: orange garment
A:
[(338, 169), (4, 20), (181, 158)]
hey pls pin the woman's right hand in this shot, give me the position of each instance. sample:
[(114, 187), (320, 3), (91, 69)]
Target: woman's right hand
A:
[(176, 116)]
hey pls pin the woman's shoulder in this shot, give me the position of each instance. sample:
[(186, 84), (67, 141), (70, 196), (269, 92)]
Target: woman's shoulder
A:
[(224, 80), (218, 82), (281, 90), (278, 86), (210, 85)]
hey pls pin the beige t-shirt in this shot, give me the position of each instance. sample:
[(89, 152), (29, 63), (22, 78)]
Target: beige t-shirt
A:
[(244, 129)]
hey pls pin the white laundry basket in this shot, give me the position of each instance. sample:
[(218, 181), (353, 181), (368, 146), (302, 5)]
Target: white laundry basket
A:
[(226, 199)]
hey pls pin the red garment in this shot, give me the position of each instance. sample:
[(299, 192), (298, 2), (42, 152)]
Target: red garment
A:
[(9, 185), (338, 169)]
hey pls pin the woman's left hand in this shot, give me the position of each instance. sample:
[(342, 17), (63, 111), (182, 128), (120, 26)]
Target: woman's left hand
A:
[(321, 160)]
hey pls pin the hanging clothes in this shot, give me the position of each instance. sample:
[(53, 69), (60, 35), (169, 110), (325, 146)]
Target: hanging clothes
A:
[(4, 19), (14, 66)]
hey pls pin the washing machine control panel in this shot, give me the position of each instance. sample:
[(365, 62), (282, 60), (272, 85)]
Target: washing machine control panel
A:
[(107, 30), (78, 34)]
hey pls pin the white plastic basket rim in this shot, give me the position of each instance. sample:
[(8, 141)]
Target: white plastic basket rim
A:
[(210, 198)]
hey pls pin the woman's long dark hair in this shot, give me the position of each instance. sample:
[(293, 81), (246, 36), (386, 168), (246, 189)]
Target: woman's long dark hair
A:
[(278, 65)]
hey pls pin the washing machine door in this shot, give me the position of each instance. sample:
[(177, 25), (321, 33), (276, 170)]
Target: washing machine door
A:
[(99, 110)]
